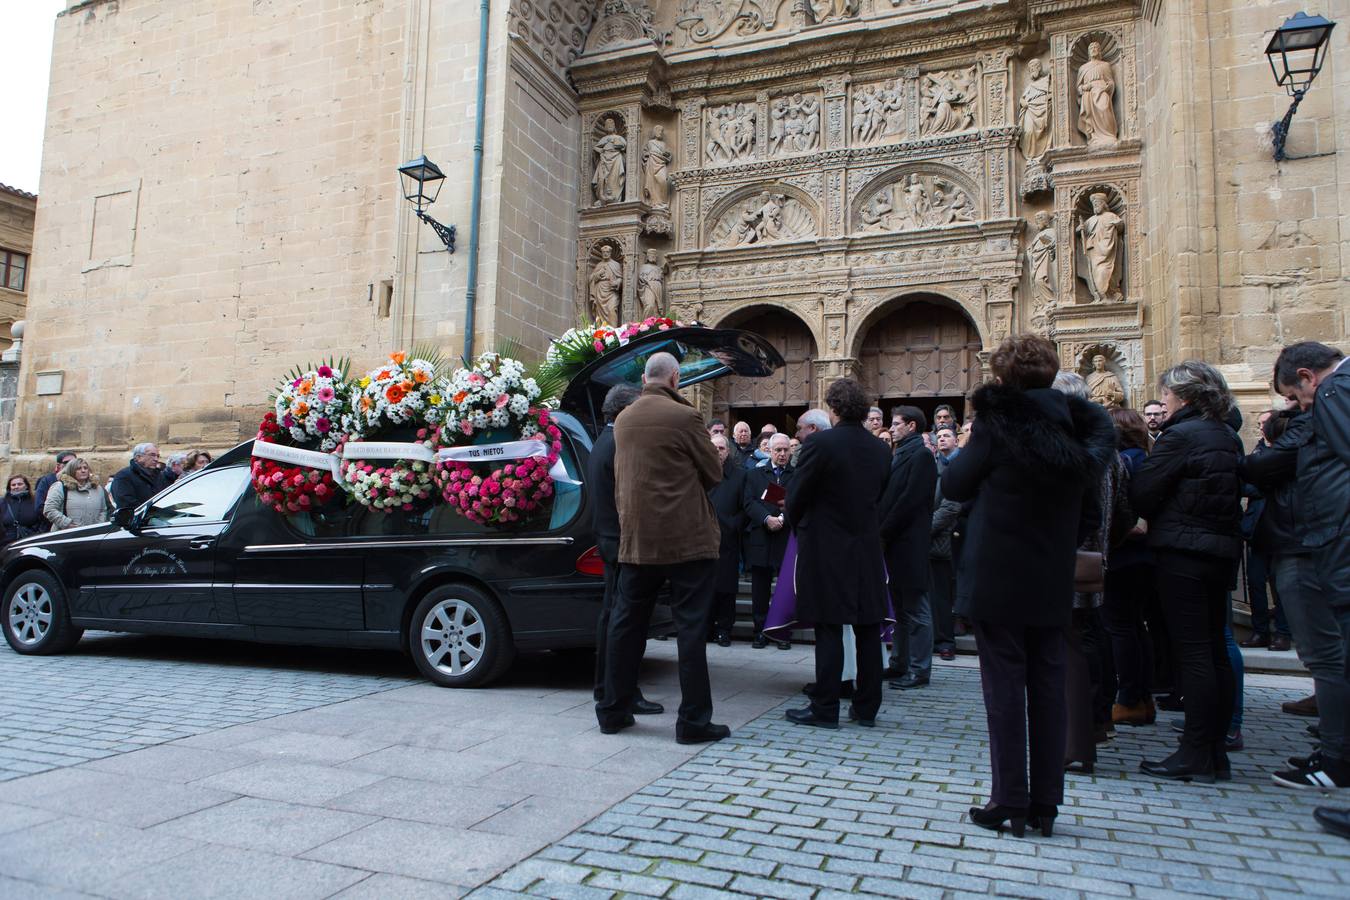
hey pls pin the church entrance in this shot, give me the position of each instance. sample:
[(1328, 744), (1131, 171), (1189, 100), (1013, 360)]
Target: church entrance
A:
[(922, 353), (779, 399)]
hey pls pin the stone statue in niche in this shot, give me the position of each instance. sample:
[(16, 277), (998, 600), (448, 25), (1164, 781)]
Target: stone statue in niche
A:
[(1034, 119), (794, 125), (878, 113), (1041, 265), (823, 11), (1103, 386), (948, 100), (731, 133), (1099, 236), (606, 287), (607, 181), (651, 286), (656, 159), (1096, 100)]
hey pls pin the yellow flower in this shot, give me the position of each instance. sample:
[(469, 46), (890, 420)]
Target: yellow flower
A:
[(365, 381), (435, 399)]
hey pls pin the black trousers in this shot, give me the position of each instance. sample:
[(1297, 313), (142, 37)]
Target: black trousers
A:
[(1090, 682), (943, 597), (1131, 645), (724, 612), (830, 670), (761, 592), (691, 595), (1022, 674), (1197, 610), (602, 630)]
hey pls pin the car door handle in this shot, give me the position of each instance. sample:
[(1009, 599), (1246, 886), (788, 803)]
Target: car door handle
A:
[(201, 543)]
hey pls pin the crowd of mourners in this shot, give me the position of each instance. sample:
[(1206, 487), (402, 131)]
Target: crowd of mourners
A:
[(1093, 554)]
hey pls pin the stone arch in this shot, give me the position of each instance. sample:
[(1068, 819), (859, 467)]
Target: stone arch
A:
[(922, 345), (927, 171), (715, 229), (795, 338)]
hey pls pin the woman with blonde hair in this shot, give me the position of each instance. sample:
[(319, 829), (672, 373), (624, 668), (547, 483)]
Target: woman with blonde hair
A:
[(77, 498)]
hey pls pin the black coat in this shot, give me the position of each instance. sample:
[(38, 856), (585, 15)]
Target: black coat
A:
[(833, 503), (907, 513), (600, 485), (1274, 470), (1324, 470), (763, 548), (135, 484), (1027, 468), (19, 518), (1189, 488), (727, 503)]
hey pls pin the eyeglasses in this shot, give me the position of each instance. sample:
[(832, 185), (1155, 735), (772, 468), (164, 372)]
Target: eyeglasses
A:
[(1153, 415)]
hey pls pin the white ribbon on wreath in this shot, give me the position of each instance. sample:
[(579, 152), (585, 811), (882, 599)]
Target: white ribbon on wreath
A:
[(387, 450), (508, 450), (295, 456)]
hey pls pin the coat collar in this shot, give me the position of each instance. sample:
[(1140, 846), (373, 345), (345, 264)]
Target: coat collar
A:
[(662, 390)]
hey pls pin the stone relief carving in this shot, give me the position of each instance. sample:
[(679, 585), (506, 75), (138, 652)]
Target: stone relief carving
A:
[(1096, 88), (731, 133), (948, 100), (794, 124), (764, 219), (823, 11), (879, 113), (651, 286), (607, 179), (1035, 112), (605, 287), (623, 22), (1103, 385), (557, 32), (1041, 254), (1099, 234), (656, 160), (703, 21), (921, 201)]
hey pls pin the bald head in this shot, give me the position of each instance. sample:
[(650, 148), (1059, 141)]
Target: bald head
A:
[(662, 368)]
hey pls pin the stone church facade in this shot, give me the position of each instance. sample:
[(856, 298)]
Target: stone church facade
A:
[(884, 188)]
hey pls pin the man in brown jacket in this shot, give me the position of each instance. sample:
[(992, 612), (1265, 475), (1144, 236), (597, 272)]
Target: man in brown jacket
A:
[(663, 467)]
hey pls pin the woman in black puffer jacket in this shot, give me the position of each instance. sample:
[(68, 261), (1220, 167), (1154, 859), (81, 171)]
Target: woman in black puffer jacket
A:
[(1189, 489)]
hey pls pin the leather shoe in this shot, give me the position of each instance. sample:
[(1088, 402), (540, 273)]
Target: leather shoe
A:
[(1256, 640), (705, 735), (1171, 703), (805, 716), (1136, 714), (893, 671), (866, 723), (723, 639), (947, 654), (1305, 707), (1175, 770), (909, 682), (784, 645), (644, 707), (1337, 821), (760, 642), (1279, 643), (617, 725)]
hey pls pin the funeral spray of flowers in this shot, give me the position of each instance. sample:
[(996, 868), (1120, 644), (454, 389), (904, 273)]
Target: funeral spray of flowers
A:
[(292, 467), (578, 347), (494, 401), (311, 405)]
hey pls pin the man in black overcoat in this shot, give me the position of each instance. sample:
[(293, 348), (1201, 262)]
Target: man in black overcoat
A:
[(906, 529), (605, 519), (832, 504), (727, 503), (766, 531)]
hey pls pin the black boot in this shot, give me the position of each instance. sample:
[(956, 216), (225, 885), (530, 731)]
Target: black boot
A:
[(1042, 816), (993, 816)]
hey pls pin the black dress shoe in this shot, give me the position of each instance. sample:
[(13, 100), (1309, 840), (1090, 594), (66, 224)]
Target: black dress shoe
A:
[(1176, 770), (909, 682), (993, 817), (892, 671), (617, 725), (866, 723), (1337, 821), (1042, 816), (705, 735), (723, 639), (760, 642), (1073, 767), (644, 707), (1171, 703), (805, 716), (784, 645)]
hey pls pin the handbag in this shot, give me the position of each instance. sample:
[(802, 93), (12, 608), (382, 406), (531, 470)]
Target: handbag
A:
[(1089, 573)]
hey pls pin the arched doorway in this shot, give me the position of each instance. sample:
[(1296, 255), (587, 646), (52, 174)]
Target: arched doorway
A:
[(924, 352), (781, 397)]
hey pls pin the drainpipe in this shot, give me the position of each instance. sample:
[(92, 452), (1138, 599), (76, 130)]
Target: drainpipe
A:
[(476, 210)]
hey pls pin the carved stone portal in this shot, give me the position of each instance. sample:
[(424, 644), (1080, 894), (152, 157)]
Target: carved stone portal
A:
[(921, 201), (764, 219)]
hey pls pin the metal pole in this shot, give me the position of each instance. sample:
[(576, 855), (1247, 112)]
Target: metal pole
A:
[(476, 212)]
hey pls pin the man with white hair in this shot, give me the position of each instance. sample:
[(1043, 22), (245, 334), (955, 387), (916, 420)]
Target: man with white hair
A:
[(766, 533), (813, 421), (664, 466), (142, 479)]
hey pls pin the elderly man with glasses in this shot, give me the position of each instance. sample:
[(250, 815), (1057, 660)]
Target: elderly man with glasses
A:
[(140, 480)]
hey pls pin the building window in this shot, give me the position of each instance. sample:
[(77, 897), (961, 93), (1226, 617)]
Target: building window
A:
[(13, 270)]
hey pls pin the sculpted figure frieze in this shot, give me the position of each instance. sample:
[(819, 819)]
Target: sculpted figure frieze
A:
[(731, 133), (919, 201), (1034, 117), (607, 179), (656, 160), (1103, 385), (1096, 99), (823, 11), (794, 124), (768, 217), (1041, 250), (651, 286), (879, 113), (605, 287), (1099, 237), (948, 101)]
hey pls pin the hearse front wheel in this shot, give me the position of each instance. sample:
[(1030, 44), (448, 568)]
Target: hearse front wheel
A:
[(459, 637), (35, 617)]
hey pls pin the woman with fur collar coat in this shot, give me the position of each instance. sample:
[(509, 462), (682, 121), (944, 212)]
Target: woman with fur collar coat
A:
[(1030, 470)]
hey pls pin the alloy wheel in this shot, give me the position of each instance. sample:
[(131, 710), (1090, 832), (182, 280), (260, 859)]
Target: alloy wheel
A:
[(453, 637), (30, 614)]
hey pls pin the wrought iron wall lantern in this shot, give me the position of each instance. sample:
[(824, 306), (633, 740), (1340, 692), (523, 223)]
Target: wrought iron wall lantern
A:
[(421, 184), (1296, 52)]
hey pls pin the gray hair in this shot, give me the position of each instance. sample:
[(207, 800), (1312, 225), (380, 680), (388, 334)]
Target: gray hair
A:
[(660, 367), (177, 458), (720, 437), (619, 398), (816, 418), (776, 435), (141, 449), (1200, 385), (874, 409), (1071, 383)]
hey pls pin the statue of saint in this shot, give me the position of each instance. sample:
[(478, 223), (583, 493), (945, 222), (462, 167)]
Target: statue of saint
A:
[(656, 159), (918, 207), (1103, 386), (651, 286), (606, 285), (1096, 99), (607, 182), (1100, 237), (1035, 118), (1041, 264)]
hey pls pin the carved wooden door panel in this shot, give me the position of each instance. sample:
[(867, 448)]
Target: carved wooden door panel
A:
[(921, 350), (791, 385)]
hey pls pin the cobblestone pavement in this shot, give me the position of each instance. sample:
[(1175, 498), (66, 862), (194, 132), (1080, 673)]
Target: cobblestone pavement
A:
[(789, 812), (117, 693)]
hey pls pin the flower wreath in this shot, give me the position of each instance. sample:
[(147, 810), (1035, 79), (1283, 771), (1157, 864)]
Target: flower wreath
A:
[(293, 468), (494, 399), (312, 405), (288, 486), (387, 484), (577, 347)]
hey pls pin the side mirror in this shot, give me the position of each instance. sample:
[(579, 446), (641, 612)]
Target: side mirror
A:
[(125, 517)]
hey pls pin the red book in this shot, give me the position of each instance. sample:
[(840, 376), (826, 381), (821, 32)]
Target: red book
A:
[(774, 493)]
